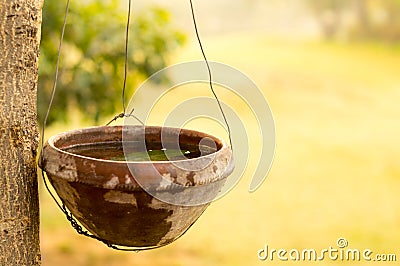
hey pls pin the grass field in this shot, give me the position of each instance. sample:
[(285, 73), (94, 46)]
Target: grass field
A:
[(336, 171)]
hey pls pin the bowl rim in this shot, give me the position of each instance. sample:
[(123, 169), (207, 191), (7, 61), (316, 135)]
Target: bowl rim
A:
[(67, 134), (59, 164)]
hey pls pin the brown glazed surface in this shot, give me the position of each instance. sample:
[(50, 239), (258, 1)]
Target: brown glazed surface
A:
[(115, 205)]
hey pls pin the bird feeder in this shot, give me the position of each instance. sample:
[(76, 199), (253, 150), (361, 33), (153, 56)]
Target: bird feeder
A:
[(134, 186), (135, 202)]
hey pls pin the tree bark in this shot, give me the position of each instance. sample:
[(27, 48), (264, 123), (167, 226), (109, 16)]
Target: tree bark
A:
[(20, 22)]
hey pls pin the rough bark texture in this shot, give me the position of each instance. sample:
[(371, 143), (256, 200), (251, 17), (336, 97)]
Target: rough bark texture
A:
[(20, 22)]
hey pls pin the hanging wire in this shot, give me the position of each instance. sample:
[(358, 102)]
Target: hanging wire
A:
[(53, 91), (124, 114), (209, 74), (126, 54)]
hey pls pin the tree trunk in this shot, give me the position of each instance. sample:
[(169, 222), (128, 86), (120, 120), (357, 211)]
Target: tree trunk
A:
[(20, 22)]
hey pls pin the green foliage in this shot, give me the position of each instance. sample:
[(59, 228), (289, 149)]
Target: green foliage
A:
[(92, 62)]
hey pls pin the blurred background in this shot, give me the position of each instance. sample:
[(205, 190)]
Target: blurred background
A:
[(330, 72)]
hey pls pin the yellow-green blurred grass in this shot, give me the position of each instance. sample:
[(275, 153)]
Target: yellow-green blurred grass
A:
[(335, 174)]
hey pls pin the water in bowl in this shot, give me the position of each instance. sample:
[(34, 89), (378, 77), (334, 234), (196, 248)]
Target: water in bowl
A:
[(115, 151)]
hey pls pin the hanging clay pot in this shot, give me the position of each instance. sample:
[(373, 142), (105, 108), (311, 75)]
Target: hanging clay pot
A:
[(136, 202)]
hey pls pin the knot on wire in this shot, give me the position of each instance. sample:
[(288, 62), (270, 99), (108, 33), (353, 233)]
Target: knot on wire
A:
[(125, 115)]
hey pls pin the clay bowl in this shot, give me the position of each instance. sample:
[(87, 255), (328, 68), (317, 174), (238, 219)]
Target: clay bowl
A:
[(136, 203)]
